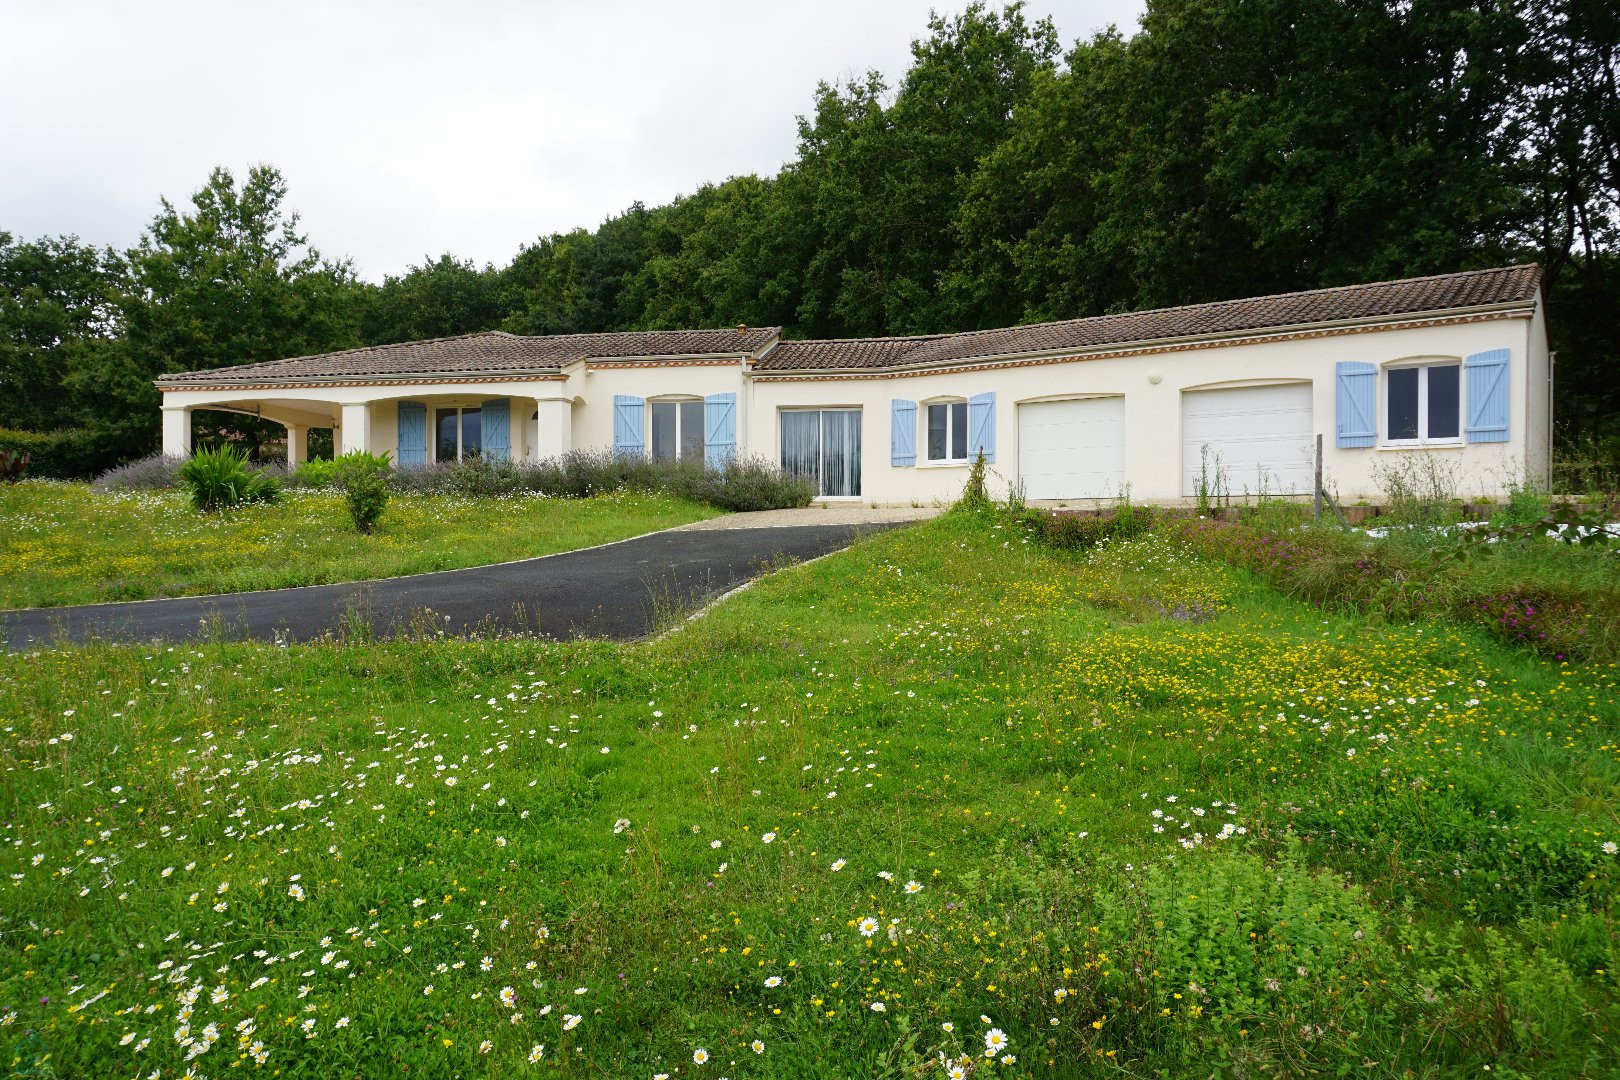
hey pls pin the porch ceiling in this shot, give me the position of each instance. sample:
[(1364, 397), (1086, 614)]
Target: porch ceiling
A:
[(302, 413)]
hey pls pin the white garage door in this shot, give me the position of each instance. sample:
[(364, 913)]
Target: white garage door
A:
[(1072, 449), (1259, 435)]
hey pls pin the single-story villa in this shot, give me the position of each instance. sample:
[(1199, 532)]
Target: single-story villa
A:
[(1156, 402)]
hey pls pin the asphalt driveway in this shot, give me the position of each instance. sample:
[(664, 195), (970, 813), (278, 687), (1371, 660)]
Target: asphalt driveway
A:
[(619, 591)]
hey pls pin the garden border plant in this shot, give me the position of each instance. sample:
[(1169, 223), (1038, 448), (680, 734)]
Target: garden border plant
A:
[(220, 478), (363, 479)]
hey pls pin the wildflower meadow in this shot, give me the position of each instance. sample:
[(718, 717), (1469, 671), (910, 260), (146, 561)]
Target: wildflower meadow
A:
[(948, 804)]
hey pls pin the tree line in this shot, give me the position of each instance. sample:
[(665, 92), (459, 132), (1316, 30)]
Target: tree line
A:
[(1227, 148)]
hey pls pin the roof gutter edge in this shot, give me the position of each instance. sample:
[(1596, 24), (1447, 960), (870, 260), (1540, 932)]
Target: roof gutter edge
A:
[(166, 383)]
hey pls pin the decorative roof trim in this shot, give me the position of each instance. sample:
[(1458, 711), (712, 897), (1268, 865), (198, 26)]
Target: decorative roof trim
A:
[(315, 382), (1516, 310)]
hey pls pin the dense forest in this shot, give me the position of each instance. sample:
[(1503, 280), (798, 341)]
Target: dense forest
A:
[(1227, 148)]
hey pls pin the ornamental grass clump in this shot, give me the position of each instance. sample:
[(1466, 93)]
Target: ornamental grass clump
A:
[(363, 479), (219, 479)]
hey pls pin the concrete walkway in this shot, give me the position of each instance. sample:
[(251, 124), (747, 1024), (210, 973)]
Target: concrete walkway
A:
[(622, 590)]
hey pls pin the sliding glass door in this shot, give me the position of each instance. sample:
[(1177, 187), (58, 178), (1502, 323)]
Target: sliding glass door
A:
[(824, 444)]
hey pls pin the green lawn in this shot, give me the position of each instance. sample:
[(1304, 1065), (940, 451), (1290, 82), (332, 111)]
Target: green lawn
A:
[(875, 810), (62, 543)]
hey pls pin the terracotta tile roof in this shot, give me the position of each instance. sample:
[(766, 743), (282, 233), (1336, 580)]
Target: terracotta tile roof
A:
[(843, 352), (491, 351), (496, 352), (1354, 302)]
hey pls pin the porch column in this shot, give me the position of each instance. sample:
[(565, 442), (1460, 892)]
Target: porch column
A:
[(556, 429), (176, 431), (356, 428), (297, 446)]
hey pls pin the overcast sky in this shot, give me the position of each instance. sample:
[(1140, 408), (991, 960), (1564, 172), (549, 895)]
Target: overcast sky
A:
[(405, 130)]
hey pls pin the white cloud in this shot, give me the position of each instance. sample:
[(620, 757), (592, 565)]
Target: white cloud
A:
[(405, 130)]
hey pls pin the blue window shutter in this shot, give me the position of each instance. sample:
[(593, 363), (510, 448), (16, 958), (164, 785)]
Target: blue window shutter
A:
[(903, 433), (497, 428), (719, 429), (1357, 404), (1487, 396), (982, 427), (628, 428), (412, 433)]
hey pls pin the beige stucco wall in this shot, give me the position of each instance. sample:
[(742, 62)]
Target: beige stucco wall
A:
[(1153, 413), (1152, 407), (594, 390)]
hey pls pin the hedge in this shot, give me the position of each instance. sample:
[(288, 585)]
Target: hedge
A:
[(70, 454)]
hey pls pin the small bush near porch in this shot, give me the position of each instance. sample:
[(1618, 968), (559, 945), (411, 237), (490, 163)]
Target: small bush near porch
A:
[(65, 544)]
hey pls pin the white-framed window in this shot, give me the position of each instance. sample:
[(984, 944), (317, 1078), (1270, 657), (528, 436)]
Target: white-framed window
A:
[(457, 433), (1423, 403), (677, 430), (946, 424)]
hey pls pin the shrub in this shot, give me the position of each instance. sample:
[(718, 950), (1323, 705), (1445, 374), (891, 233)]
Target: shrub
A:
[(1525, 506), (363, 479), (220, 479), (315, 473), (156, 473), (1420, 489), (975, 492), (480, 475), (1073, 532), (13, 464), (745, 483), (751, 483), (72, 454), (1589, 466)]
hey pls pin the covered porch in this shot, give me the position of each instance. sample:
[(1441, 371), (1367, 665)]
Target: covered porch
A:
[(428, 424)]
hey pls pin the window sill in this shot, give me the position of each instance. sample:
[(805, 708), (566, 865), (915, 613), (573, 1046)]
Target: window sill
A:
[(1445, 444), (943, 464)]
